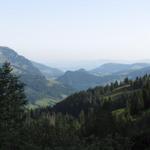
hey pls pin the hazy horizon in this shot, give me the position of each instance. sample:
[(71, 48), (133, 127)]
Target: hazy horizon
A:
[(56, 32), (88, 64)]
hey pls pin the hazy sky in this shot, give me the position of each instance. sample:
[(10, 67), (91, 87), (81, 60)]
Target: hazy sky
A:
[(52, 30)]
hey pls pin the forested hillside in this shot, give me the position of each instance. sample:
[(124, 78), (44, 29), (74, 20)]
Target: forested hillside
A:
[(82, 79), (113, 117), (110, 72), (39, 90), (46, 86), (116, 95)]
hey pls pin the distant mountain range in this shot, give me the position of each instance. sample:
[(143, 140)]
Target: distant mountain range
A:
[(38, 87), (49, 72), (111, 68), (82, 79), (47, 85), (79, 80)]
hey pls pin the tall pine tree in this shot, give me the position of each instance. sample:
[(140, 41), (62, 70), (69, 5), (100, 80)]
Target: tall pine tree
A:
[(12, 107)]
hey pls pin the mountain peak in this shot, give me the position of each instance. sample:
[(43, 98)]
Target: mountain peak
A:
[(81, 70)]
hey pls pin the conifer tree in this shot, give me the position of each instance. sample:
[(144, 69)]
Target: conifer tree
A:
[(12, 106)]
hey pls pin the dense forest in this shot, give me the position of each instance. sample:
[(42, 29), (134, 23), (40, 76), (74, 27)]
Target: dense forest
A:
[(111, 117)]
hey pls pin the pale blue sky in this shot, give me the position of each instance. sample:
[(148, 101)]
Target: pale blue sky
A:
[(52, 30)]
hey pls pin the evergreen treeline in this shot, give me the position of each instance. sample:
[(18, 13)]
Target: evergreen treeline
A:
[(113, 117)]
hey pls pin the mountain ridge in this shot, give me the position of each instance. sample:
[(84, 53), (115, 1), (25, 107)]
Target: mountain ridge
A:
[(112, 68), (37, 86), (48, 72)]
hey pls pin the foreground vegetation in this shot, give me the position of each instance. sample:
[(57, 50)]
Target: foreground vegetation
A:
[(114, 117)]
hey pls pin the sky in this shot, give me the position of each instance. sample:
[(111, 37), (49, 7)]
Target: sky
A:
[(57, 31)]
